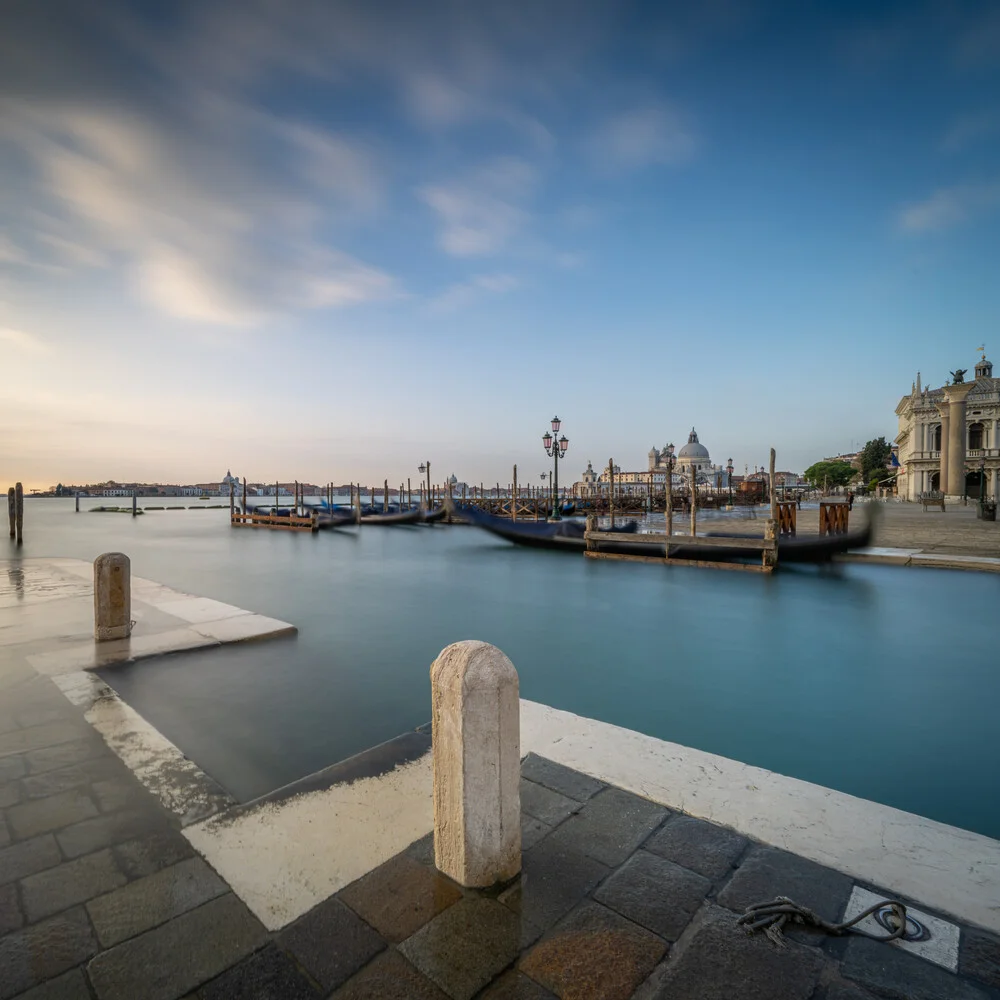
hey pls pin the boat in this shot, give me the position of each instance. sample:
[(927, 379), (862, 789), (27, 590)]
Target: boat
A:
[(437, 514), (335, 519), (569, 536), (414, 516)]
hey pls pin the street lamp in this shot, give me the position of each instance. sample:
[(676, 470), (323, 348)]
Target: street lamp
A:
[(729, 469), (422, 468), (668, 492), (555, 449)]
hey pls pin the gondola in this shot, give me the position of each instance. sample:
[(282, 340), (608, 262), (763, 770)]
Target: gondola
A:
[(438, 514), (414, 516), (568, 536), (335, 519)]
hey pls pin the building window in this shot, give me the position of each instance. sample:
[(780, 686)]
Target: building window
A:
[(976, 435), (937, 438)]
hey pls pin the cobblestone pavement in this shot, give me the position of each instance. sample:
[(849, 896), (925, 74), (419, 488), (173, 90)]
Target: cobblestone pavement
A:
[(102, 896)]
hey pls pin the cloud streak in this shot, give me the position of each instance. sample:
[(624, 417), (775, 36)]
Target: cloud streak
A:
[(656, 135), (950, 207)]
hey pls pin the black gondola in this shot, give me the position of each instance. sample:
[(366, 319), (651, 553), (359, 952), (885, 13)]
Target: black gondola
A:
[(568, 536), (414, 516)]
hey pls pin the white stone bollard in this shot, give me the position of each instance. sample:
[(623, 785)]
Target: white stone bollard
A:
[(477, 764), (112, 596)]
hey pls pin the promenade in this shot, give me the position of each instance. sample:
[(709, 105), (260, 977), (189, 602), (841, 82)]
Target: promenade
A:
[(121, 878)]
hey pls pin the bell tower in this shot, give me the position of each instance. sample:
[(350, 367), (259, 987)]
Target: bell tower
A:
[(984, 368)]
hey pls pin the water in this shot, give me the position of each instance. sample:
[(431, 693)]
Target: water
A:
[(875, 680)]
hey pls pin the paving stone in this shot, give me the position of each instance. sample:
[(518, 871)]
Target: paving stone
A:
[(400, 896), (559, 778), (113, 794), (720, 961), (466, 946), (37, 786), (43, 951), (516, 985), (268, 974), (767, 872), (705, 848), (10, 912), (389, 977), (70, 986), (532, 831), (545, 804), (151, 901), (28, 857), (422, 850), (148, 855), (53, 813), (840, 990), (331, 942), (10, 794), (892, 973), (68, 884), (610, 826), (173, 959), (4, 833), (594, 954), (65, 754), (108, 830), (979, 957), (656, 893), (45, 736), (11, 768), (553, 880)]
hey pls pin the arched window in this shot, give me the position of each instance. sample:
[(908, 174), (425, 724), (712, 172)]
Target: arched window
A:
[(976, 434), (937, 438)]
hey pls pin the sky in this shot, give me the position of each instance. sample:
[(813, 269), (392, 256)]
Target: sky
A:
[(330, 240)]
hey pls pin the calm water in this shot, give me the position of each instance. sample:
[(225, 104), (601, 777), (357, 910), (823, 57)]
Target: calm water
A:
[(873, 680)]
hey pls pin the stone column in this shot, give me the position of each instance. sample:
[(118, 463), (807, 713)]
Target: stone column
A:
[(112, 596), (477, 764), (957, 434), (944, 410)]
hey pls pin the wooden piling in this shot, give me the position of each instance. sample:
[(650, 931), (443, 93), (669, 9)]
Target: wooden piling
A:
[(243, 506), (134, 511), (77, 498), (611, 491), (694, 501), (669, 511), (232, 501), (774, 494), (385, 497), (19, 511), (11, 506), (513, 503)]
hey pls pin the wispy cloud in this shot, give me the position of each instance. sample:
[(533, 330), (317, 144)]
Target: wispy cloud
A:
[(25, 343), (950, 207), (479, 215), (971, 129), (462, 294), (656, 135)]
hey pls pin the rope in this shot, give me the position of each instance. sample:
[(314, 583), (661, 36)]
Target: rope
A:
[(772, 917)]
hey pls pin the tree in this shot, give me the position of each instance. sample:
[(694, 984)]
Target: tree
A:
[(874, 459), (830, 473)]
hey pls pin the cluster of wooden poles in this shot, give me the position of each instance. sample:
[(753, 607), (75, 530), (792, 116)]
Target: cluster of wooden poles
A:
[(15, 511)]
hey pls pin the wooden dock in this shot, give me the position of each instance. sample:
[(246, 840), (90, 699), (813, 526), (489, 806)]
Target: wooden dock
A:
[(291, 522), (661, 544)]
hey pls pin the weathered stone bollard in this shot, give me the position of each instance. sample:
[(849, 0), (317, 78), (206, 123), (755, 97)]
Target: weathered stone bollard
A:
[(477, 764), (112, 596)]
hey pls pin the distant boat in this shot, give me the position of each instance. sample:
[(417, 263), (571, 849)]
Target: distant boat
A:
[(204, 496)]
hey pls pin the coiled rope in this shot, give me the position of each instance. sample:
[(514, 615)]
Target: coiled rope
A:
[(772, 917)]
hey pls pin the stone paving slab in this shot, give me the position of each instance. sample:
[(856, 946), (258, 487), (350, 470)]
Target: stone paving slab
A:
[(56, 889)]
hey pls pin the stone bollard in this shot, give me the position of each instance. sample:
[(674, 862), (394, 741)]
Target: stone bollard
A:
[(477, 764), (112, 596)]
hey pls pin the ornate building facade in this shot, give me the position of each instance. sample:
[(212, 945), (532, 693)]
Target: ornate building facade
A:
[(949, 438)]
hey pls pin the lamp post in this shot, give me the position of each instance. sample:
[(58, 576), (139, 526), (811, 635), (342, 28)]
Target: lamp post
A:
[(422, 468), (555, 449), (982, 481), (729, 470)]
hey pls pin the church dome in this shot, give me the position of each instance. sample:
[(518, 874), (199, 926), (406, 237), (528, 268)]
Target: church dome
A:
[(693, 449)]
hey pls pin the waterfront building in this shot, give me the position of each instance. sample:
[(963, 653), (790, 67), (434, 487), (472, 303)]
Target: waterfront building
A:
[(949, 438)]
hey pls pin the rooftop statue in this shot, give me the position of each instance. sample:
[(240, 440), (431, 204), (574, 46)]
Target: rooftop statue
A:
[(958, 376)]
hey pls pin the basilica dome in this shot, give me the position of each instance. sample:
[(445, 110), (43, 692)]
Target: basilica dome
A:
[(693, 450)]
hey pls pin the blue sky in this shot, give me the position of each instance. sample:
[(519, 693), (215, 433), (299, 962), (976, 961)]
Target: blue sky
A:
[(329, 240)]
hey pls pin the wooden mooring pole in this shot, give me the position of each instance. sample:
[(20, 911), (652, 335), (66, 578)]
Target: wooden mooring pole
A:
[(694, 501), (513, 502), (611, 491), (11, 506), (19, 511)]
